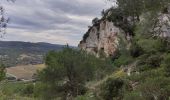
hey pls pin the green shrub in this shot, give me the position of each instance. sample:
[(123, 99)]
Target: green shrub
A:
[(112, 89), (28, 90), (142, 77), (2, 72), (148, 45), (154, 61), (123, 60), (8, 88), (155, 89), (136, 50), (68, 70), (148, 61), (46, 92), (135, 95), (166, 64), (88, 96)]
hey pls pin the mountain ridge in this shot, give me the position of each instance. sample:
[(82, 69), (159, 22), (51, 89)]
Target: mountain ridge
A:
[(22, 53)]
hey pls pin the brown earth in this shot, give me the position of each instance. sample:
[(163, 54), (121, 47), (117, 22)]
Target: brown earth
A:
[(24, 72)]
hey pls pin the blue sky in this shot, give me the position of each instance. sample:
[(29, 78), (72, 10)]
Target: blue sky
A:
[(52, 21)]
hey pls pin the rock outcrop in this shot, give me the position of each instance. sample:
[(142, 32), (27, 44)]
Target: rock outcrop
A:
[(103, 38), (162, 27)]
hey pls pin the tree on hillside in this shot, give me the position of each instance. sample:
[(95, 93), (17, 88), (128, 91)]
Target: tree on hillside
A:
[(2, 72), (128, 13), (68, 70), (138, 6), (166, 64), (3, 25), (3, 19), (95, 21)]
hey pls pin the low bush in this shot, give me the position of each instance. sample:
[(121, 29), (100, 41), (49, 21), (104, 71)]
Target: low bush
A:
[(135, 95), (123, 60), (28, 90), (112, 89), (155, 89), (136, 50), (2, 72), (166, 64), (154, 61)]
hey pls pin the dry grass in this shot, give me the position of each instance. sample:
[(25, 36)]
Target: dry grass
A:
[(25, 72)]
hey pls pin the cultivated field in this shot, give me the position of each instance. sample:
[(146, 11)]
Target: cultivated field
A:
[(24, 72)]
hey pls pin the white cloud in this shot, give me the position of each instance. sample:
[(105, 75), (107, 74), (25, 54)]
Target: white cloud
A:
[(52, 21)]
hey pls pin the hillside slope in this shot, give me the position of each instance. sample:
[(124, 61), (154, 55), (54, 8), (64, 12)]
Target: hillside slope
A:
[(22, 53), (139, 47)]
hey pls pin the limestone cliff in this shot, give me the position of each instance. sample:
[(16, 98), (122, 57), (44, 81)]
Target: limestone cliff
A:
[(103, 37), (162, 27)]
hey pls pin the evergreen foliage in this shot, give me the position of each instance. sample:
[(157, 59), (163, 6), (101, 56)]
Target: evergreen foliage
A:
[(139, 73), (68, 70), (2, 72)]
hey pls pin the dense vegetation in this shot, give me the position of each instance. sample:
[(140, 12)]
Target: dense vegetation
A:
[(69, 70), (141, 72), (73, 74), (66, 75)]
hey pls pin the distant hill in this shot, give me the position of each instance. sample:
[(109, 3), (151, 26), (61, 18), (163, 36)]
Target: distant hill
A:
[(22, 53)]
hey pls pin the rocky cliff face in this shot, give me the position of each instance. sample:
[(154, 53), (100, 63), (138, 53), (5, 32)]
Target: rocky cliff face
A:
[(162, 27), (103, 38)]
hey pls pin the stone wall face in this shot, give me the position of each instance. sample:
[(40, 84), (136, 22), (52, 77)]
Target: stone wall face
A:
[(102, 38), (162, 27)]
